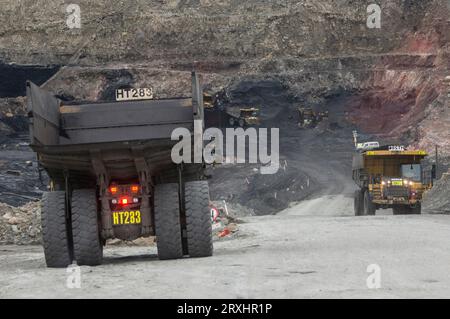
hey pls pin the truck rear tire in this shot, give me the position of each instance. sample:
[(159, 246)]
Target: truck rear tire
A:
[(358, 203), (87, 245), (198, 219), (167, 221), (55, 231), (369, 206)]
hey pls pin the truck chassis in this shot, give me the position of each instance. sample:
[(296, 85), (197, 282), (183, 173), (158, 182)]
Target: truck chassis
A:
[(112, 177)]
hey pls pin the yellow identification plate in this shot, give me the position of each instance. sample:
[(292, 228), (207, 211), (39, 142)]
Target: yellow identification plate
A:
[(127, 217), (397, 183)]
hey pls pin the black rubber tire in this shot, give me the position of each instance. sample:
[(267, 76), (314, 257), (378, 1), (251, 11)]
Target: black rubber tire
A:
[(369, 207), (416, 210), (407, 210), (358, 203), (55, 235), (87, 244), (167, 221), (198, 219), (399, 210)]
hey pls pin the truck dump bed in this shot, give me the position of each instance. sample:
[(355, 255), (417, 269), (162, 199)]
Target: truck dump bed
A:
[(71, 136), (123, 121)]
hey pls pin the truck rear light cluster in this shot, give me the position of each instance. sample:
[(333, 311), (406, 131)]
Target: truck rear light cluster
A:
[(124, 194), (124, 200), (113, 189)]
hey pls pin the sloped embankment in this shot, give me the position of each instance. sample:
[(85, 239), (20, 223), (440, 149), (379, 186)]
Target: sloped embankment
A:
[(20, 225), (437, 200)]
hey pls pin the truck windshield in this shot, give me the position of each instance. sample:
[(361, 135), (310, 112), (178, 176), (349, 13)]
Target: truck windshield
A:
[(412, 172)]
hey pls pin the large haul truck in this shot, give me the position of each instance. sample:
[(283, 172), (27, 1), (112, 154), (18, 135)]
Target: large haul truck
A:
[(112, 176), (388, 177)]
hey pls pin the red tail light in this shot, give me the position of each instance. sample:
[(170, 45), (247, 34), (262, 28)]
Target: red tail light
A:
[(113, 189), (134, 188), (124, 201)]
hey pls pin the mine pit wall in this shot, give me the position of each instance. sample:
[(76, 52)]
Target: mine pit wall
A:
[(282, 54), (314, 49), (12, 91), (406, 98), (399, 98), (164, 32)]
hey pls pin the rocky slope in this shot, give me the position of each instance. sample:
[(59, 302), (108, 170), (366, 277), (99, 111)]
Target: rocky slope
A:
[(20, 225), (437, 199), (313, 49), (276, 54), (174, 32)]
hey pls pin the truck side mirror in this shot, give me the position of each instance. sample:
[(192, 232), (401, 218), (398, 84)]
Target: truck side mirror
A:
[(433, 171)]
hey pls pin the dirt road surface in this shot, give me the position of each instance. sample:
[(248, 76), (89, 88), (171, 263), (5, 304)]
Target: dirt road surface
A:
[(314, 249)]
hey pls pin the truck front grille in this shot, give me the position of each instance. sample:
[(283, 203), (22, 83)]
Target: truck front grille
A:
[(397, 191)]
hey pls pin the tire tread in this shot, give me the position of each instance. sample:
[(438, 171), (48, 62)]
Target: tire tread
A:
[(198, 219), (167, 221), (88, 249), (55, 239)]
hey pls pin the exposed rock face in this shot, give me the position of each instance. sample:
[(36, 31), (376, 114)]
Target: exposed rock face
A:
[(179, 31), (20, 225), (406, 98), (277, 54), (312, 49), (437, 200)]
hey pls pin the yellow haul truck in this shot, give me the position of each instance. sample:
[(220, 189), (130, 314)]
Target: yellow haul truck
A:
[(388, 177)]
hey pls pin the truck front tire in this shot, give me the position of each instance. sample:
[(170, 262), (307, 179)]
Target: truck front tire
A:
[(198, 219), (358, 203), (369, 206), (167, 221), (416, 210), (55, 233), (407, 210), (87, 245)]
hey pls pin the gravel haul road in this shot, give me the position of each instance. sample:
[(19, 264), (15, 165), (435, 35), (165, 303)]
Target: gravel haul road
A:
[(314, 248), (311, 250)]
